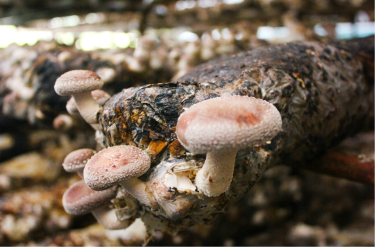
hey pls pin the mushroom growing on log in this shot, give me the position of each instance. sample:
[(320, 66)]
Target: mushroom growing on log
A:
[(321, 92)]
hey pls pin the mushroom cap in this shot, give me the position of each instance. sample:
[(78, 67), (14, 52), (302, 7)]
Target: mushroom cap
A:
[(71, 107), (114, 165), (77, 81), (79, 199), (231, 122), (100, 96), (63, 122), (76, 160)]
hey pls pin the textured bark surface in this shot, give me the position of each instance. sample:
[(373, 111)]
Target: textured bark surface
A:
[(321, 91)]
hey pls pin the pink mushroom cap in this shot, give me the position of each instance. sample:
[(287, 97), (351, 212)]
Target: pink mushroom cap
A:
[(79, 199), (76, 160), (231, 122), (115, 164)]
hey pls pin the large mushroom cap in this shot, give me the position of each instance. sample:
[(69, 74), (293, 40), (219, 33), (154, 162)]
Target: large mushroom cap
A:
[(231, 122), (76, 160), (115, 164), (79, 199), (77, 81)]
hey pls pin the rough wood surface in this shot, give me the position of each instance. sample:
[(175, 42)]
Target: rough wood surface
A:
[(320, 90)]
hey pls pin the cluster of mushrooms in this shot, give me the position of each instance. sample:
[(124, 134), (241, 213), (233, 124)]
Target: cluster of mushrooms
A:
[(252, 121)]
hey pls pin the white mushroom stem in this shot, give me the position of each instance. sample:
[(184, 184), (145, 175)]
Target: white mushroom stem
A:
[(108, 218), (141, 191), (217, 172), (133, 235), (88, 108), (136, 231), (80, 83), (179, 181), (80, 173)]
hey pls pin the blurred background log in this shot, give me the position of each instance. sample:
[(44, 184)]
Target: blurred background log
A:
[(169, 13)]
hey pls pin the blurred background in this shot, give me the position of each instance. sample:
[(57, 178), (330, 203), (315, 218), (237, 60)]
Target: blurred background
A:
[(131, 43), (105, 24)]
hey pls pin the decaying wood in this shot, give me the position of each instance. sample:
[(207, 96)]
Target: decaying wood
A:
[(320, 90)]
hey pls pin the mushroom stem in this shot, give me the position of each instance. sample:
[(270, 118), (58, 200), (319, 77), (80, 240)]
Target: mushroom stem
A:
[(217, 172), (141, 191), (108, 218), (80, 173), (80, 83), (134, 235), (88, 108)]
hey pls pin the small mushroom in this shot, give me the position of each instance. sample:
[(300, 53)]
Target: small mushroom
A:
[(15, 106), (80, 83), (63, 122), (139, 61), (107, 74), (79, 199), (71, 107), (120, 165), (220, 127), (76, 160), (100, 96)]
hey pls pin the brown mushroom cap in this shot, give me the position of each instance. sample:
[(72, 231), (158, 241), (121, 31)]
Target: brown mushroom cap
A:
[(231, 122), (77, 81), (115, 164), (76, 160), (79, 199)]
